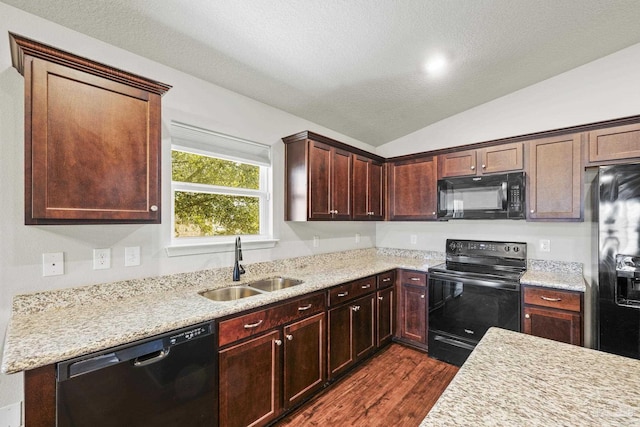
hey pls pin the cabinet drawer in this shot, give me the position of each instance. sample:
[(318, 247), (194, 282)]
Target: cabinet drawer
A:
[(386, 279), (351, 290), (247, 325), (413, 278), (553, 298)]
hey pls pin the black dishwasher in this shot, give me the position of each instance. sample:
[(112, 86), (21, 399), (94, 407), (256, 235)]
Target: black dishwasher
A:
[(166, 380)]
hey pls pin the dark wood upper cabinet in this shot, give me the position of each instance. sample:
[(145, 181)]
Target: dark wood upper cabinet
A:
[(412, 189), (92, 139), (368, 187), (554, 178), (619, 144), (487, 160)]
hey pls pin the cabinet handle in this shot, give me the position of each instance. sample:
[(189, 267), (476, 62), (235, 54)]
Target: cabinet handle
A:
[(289, 337), (550, 299), (386, 279), (343, 294), (153, 208), (473, 168), (380, 298), (422, 296), (415, 279), (305, 308), (367, 286), (527, 316), (253, 325), (278, 342), (356, 308)]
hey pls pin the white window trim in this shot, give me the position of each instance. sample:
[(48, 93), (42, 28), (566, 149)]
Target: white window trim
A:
[(183, 246)]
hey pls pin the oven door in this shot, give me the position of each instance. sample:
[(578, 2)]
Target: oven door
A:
[(461, 310)]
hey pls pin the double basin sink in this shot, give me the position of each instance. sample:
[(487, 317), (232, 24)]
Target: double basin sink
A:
[(258, 287)]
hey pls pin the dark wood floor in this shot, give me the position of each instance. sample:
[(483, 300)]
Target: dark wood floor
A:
[(397, 387)]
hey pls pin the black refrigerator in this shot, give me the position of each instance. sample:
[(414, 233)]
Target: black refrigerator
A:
[(618, 215)]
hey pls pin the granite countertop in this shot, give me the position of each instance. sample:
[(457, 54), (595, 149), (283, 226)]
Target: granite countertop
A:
[(552, 274), (49, 327), (517, 379)]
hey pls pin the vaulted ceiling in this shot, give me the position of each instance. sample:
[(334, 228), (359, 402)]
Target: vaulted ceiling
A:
[(358, 66)]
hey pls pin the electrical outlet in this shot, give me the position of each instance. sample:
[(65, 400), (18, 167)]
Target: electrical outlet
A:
[(52, 265), (316, 241), (414, 239), (545, 245), (101, 259), (131, 257), (11, 415)]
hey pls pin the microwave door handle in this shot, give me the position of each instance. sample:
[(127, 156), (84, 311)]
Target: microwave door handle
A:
[(505, 195)]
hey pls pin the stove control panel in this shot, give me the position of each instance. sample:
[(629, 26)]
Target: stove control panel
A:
[(487, 248)]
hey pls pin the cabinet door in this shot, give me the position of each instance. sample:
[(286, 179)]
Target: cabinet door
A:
[(458, 163), (92, 148), (340, 340), (555, 178), (249, 381), (320, 159), (501, 158), (413, 189), (341, 184), (304, 356), (614, 145), (558, 325), (386, 315), (376, 190), (364, 321), (360, 194), (413, 310)]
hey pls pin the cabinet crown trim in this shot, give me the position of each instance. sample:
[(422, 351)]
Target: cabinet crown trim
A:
[(21, 46)]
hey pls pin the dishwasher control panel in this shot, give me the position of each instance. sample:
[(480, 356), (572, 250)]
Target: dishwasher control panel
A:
[(190, 334)]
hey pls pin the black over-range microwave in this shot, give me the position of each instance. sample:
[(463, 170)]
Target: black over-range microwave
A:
[(499, 196)]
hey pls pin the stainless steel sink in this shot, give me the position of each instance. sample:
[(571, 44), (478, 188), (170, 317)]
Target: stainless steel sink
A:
[(231, 293), (275, 283)]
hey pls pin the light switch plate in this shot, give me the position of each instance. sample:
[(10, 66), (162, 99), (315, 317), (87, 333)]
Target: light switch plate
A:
[(52, 265), (11, 415), (545, 245), (131, 257)]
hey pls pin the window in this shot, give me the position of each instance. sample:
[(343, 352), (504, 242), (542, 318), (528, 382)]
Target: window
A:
[(220, 187)]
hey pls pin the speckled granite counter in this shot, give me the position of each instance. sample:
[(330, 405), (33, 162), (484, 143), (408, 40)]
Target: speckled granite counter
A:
[(49, 327), (513, 379), (551, 274)]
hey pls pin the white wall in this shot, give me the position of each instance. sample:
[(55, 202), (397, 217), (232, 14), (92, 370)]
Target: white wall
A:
[(190, 100)]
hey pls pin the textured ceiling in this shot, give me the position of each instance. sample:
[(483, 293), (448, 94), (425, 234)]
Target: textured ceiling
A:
[(356, 66)]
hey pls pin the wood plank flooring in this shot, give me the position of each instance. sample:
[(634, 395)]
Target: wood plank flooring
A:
[(397, 387)]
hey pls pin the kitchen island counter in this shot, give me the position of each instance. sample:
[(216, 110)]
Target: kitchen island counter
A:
[(517, 379)]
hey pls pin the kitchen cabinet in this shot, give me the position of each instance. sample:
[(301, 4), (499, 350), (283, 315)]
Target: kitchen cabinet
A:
[(412, 312), (368, 187), (412, 189), (487, 160), (618, 144), (272, 370), (351, 323), (92, 139), (553, 313), (385, 307), (554, 178)]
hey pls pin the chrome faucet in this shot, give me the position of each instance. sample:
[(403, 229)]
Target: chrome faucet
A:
[(237, 268)]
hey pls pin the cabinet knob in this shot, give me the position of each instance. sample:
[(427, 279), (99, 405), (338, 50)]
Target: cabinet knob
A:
[(153, 208), (484, 166), (289, 337), (532, 211), (278, 342), (380, 298), (422, 296), (433, 213), (355, 308), (527, 316), (473, 168)]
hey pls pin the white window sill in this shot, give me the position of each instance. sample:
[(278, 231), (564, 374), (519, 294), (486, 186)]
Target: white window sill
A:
[(210, 248)]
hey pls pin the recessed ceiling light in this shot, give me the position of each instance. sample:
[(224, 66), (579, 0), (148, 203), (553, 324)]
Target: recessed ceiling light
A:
[(436, 65)]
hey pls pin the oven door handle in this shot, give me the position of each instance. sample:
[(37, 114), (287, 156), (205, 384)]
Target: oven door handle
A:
[(496, 284)]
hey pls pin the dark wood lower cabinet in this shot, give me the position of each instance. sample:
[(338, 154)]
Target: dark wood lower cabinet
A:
[(563, 326), (351, 334), (413, 319), (304, 355), (250, 375), (386, 316)]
